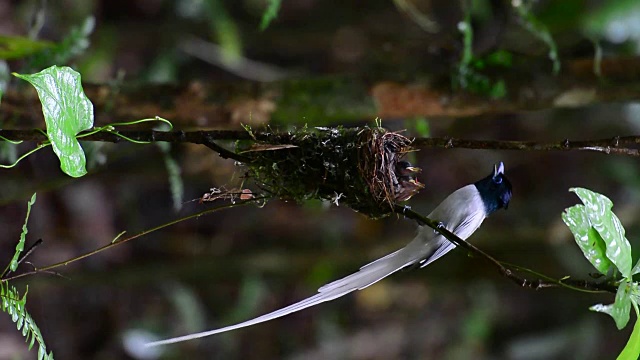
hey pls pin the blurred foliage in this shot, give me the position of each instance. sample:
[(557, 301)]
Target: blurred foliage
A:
[(618, 21), (469, 74), (539, 29), (73, 45), (270, 13), (15, 47), (173, 171), (225, 29)]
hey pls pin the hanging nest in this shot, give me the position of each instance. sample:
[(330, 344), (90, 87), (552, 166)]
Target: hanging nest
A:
[(357, 167)]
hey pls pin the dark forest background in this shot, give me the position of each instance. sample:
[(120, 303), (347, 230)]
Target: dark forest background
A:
[(232, 265)]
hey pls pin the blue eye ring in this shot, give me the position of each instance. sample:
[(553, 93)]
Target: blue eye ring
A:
[(497, 179)]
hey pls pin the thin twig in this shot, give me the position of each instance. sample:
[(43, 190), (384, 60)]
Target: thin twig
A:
[(48, 268), (541, 281), (22, 257)]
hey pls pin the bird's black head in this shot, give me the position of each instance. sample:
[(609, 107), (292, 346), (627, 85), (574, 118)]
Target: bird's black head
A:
[(495, 190)]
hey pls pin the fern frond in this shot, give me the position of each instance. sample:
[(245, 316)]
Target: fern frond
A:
[(15, 306)]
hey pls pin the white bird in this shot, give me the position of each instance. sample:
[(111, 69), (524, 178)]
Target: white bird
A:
[(462, 213)]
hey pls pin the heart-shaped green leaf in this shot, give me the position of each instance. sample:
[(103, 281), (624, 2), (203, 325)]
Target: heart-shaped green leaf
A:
[(67, 111)]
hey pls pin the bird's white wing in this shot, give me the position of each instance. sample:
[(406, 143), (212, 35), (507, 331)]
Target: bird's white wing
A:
[(462, 213), (471, 224)]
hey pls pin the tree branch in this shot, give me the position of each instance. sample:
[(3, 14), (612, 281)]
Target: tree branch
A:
[(619, 145), (613, 145), (541, 281)]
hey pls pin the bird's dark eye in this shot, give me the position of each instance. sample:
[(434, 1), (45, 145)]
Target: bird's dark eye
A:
[(498, 179)]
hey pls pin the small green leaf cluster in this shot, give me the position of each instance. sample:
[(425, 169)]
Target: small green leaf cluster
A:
[(470, 75), (15, 306), (601, 237)]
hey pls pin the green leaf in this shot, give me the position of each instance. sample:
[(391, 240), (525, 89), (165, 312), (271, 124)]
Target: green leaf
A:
[(16, 47), (270, 13), (67, 111), (23, 235), (631, 351), (620, 309), (590, 242), (598, 209)]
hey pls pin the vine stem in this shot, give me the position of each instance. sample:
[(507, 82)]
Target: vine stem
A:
[(117, 242), (541, 281), (618, 145)]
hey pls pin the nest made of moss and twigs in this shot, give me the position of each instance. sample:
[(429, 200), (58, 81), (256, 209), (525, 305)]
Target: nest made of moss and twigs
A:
[(359, 167)]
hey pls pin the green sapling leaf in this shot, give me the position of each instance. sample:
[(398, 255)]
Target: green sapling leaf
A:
[(620, 309), (606, 223), (588, 239), (631, 351), (67, 111)]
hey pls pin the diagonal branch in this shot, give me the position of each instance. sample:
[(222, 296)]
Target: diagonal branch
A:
[(118, 242), (540, 282)]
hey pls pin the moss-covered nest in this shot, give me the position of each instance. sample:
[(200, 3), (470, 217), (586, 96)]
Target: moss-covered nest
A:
[(356, 167)]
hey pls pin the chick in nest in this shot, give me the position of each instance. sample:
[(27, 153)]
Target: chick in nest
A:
[(407, 185)]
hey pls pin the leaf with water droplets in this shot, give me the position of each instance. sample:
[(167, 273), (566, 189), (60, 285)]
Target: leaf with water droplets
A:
[(588, 239), (606, 223)]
